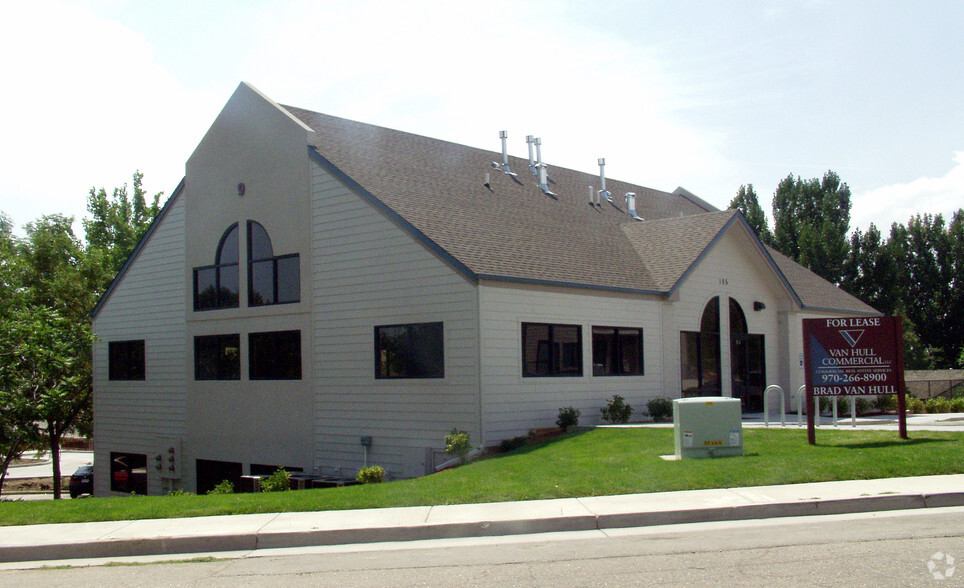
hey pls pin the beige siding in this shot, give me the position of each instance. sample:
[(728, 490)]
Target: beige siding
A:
[(147, 304), (369, 272), (733, 268), (513, 404)]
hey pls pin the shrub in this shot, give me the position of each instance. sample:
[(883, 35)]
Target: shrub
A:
[(957, 405), (915, 405), (507, 445), (616, 410), (937, 404), (224, 487), (279, 481), (182, 492), (568, 417), (886, 402), (660, 409), (373, 474), (458, 443)]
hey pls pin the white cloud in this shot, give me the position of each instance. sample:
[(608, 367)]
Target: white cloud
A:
[(899, 202)]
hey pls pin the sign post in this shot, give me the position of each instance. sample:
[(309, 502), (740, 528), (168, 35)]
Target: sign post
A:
[(854, 356)]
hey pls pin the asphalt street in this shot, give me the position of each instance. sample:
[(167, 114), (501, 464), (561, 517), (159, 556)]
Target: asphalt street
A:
[(896, 548)]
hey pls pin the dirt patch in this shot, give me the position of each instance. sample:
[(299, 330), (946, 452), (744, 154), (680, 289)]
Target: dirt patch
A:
[(32, 485)]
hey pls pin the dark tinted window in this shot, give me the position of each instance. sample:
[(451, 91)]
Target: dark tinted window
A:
[(410, 351), (272, 279), (274, 356), (617, 351), (217, 357), (126, 360), (216, 286), (551, 350)]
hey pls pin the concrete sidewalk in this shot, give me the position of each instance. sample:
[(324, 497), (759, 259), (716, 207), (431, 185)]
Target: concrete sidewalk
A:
[(267, 531)]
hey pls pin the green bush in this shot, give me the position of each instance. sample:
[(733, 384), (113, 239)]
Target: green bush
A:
[(938, 404), (660, 409), (957, 405), (279, 481), (182, 492), (568, 417), (458, 443), (507, 445), (915, 405), (225, 487), (373, 474), (886, 402), (616, 410), (863, 406)]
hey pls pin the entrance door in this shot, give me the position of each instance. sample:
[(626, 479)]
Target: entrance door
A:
[(748, 370)]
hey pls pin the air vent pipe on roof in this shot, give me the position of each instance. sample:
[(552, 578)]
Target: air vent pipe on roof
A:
[(631, 205), (505, 155), (603, 192), (532, 162), (544, 178)]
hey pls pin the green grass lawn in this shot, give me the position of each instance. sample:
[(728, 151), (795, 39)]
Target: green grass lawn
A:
[(592, 463)]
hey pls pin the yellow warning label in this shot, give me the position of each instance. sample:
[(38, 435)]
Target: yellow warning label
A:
[(712, 443)]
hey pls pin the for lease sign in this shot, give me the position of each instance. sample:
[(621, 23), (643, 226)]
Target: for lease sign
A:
[(852, 356)]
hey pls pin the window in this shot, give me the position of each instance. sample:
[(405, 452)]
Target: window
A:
[(216, 286), (409, 351), (125, 360), (700, 355), (217, 357), (274, 356), (128, 473), (551, 350), (272, 279), (617, 351)]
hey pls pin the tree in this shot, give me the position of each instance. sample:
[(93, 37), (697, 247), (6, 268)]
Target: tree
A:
[(869, 271), (118, 222), (48, 334), (811, 222), (926, 274), (747, 202), (44, 379)]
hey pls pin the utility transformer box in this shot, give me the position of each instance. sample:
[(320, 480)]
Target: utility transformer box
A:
[(708, 426)]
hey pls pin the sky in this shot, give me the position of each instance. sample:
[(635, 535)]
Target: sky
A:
[(700, 94)]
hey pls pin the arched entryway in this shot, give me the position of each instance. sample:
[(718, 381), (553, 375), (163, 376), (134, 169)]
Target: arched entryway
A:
[(747, 361)]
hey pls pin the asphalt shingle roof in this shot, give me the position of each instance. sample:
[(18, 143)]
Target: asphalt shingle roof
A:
[(512, 230)]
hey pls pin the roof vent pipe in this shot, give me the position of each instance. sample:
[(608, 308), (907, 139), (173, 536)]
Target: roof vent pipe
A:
[(631, 205), (544, 178), (538, 144), (532, 163), (505, 155), (603, 192), (592, 196)]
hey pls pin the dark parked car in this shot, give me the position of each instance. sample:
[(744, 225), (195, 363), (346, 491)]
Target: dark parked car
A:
[(82, 481)]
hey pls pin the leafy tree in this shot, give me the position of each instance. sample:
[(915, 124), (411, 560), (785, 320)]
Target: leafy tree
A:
[(47, 334), (869, 271), (811, 222), (746, 201), (926, 276), (44, 379), (118, 222)]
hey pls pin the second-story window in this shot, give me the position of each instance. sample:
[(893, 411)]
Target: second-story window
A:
[(216, 286), (272, 279)]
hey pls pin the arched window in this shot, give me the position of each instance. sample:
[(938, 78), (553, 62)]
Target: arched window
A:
[(216, 286), (737, 319), (272, 279), (700, 354)]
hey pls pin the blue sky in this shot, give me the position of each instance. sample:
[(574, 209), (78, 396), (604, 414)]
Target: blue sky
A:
[(704, 95)]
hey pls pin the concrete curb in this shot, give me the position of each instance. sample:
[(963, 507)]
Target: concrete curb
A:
[(108, 540)]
